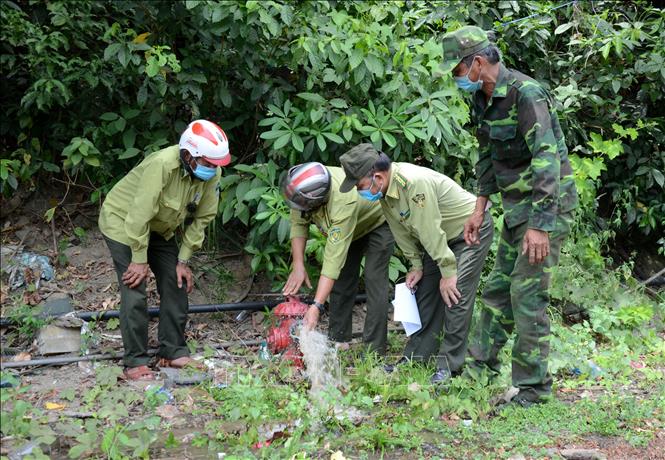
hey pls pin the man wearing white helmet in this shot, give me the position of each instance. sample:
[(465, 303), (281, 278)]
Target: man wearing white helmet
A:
[(174, 186), (353, 228)]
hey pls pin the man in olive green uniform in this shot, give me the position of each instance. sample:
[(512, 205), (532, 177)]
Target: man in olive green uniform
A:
[(353, 228), (139, 218), (523, 156), (426, 212)]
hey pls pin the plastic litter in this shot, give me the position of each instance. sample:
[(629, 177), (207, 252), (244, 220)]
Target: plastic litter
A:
[(589, 368), (162, 393), (39, 266), (23, 451), (264, 352)]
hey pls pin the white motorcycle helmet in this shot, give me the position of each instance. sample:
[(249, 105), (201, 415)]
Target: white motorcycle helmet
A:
[(204, 139), (305, 187)]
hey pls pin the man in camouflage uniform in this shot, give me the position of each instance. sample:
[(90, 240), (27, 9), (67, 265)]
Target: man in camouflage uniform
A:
[(523, 156), (426, 212)]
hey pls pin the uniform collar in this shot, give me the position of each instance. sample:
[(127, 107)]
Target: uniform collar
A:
[(501, 87), (393, 191), (503, 79)]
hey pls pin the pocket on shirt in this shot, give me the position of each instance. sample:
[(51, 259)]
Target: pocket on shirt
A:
[(169, 210), (504, 142)]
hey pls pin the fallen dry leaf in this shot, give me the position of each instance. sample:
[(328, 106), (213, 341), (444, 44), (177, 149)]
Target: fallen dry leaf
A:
[(22, 356), (54, 406), (414, 386), (637, 365), (109, 303), (31, 298), (168, 411)]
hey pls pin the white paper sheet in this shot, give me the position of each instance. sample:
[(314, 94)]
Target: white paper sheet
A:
[(406, 309)]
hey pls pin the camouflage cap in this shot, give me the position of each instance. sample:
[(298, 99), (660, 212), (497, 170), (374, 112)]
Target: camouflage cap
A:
[(356, 163), (462, 43)]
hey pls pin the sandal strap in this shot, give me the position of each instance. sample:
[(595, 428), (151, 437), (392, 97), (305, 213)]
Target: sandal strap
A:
[(138, 372)]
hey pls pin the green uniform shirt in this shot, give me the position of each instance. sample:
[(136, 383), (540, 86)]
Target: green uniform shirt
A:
[(153, 197), (425, 209), (523, 152), (345, 218)]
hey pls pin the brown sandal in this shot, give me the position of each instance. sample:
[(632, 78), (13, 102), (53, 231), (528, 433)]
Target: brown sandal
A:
[(138, 373), (181, 363)]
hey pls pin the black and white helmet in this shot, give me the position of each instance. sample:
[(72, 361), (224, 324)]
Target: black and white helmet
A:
[(305, 187)]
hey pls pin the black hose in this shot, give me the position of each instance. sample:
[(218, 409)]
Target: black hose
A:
[(154, 311), (113, 355)]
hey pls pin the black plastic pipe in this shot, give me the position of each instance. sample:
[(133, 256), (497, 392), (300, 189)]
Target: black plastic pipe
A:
[(205, 308)]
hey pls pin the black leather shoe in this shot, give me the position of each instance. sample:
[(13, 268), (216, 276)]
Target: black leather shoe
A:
[(441, 376), (390, 368)]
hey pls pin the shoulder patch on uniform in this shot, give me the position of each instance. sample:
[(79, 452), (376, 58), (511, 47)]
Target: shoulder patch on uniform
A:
[(334, 234), (419, 199), (401, 180)]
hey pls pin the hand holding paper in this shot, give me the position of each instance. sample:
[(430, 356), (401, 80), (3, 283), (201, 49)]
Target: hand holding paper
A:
[(406, 309)]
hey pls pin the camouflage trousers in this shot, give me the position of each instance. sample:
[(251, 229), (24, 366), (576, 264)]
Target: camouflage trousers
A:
[(515, 299)]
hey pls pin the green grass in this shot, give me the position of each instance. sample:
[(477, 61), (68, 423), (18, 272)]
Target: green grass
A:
[(379, 415)]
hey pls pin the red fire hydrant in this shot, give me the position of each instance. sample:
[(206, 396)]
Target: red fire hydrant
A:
[(280, 336)]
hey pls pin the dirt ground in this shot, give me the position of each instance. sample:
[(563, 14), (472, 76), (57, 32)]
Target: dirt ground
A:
[(85, 274)]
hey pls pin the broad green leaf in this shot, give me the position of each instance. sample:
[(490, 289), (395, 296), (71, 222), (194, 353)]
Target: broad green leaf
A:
[(316, 115), (109, 116), (123, 56), (269, 121), (312, 97), (355, 59), (339, 103), (120, 124), (111, 50), (92, 161), (227, 180), (616, 85), (129, 137), (142, 95), (255, 193), (562, 28), (225, 96), (389, 138), (282, 141), (152, 66), (283, 230), (131, 113), (297, 143), (374, 65), (321, 142), (334, 137), (48, 215), (273, 134), (129, 153)]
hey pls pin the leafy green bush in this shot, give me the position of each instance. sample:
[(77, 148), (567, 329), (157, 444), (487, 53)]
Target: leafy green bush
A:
[(91, 87)]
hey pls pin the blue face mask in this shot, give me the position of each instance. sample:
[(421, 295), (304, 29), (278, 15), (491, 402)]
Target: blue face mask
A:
[(204, 172), (465, 84), (368, 195)]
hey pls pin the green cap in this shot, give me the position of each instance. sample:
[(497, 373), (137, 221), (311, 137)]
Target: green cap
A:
[(356, 163), (462, 43)]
